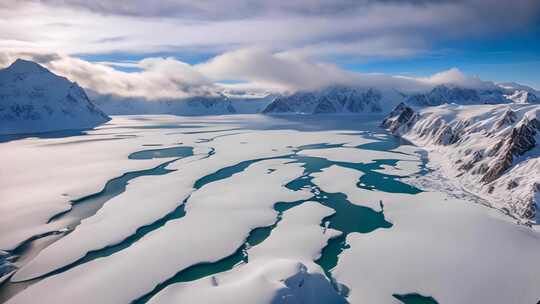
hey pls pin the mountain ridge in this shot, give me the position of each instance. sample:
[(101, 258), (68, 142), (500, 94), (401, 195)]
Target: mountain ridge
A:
[(332, 100), (492, 150)]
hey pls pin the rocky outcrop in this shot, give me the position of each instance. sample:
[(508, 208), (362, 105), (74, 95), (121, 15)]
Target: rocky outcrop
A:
[(400, 120), (445, 136), (523, 96), (509, 118), (521, 140)]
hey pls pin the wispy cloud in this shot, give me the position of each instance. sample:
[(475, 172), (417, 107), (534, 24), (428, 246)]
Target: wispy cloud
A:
[(247, 69), (318, 28)]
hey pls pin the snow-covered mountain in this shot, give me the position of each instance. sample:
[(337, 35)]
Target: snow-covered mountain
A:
[(495, 94), (491, 150), (513, 86), (331, 100), (523, 96), (33, 100), (211, 105)]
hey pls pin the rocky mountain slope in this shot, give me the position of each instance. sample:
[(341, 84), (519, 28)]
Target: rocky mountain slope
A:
[(33, 100), (492, 150), (332, 100)]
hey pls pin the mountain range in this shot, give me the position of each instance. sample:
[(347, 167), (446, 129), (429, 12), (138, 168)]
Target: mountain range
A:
[(335, 99), (496, 94)]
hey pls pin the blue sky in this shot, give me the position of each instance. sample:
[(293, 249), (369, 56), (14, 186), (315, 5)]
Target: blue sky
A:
[(513, 57), (186, 47), (501, 58)]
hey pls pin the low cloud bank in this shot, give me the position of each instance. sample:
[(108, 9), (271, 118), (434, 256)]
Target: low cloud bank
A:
[(251, 69)]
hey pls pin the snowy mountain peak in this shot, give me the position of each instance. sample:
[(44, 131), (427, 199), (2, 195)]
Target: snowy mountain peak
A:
[(33, 100), (26, 66), (523, 96)]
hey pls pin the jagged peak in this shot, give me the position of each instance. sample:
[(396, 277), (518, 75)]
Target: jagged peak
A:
[(26, 66)]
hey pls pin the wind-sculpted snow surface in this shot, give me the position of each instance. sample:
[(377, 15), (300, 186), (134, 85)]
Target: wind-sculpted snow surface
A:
[(32, 99), (492, 150), (246, 209)]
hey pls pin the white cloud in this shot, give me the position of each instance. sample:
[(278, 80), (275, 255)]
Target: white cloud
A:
[(456, 77), (275, 70), (159, 77), (256, 69)]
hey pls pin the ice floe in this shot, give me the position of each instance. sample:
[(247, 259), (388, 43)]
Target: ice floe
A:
[(447, 248), (218, 220), (280, 270)]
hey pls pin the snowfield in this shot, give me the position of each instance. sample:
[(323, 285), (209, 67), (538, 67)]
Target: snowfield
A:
[(244, 213)]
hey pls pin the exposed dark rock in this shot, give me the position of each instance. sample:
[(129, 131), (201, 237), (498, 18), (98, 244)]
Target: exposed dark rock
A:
[(481, 169), (474, 159), (508, 119), (517, 143), (512, 184), (495, 148), (445, 136), (402, 117)]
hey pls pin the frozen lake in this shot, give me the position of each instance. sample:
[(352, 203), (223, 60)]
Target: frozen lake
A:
[(247, 209)]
